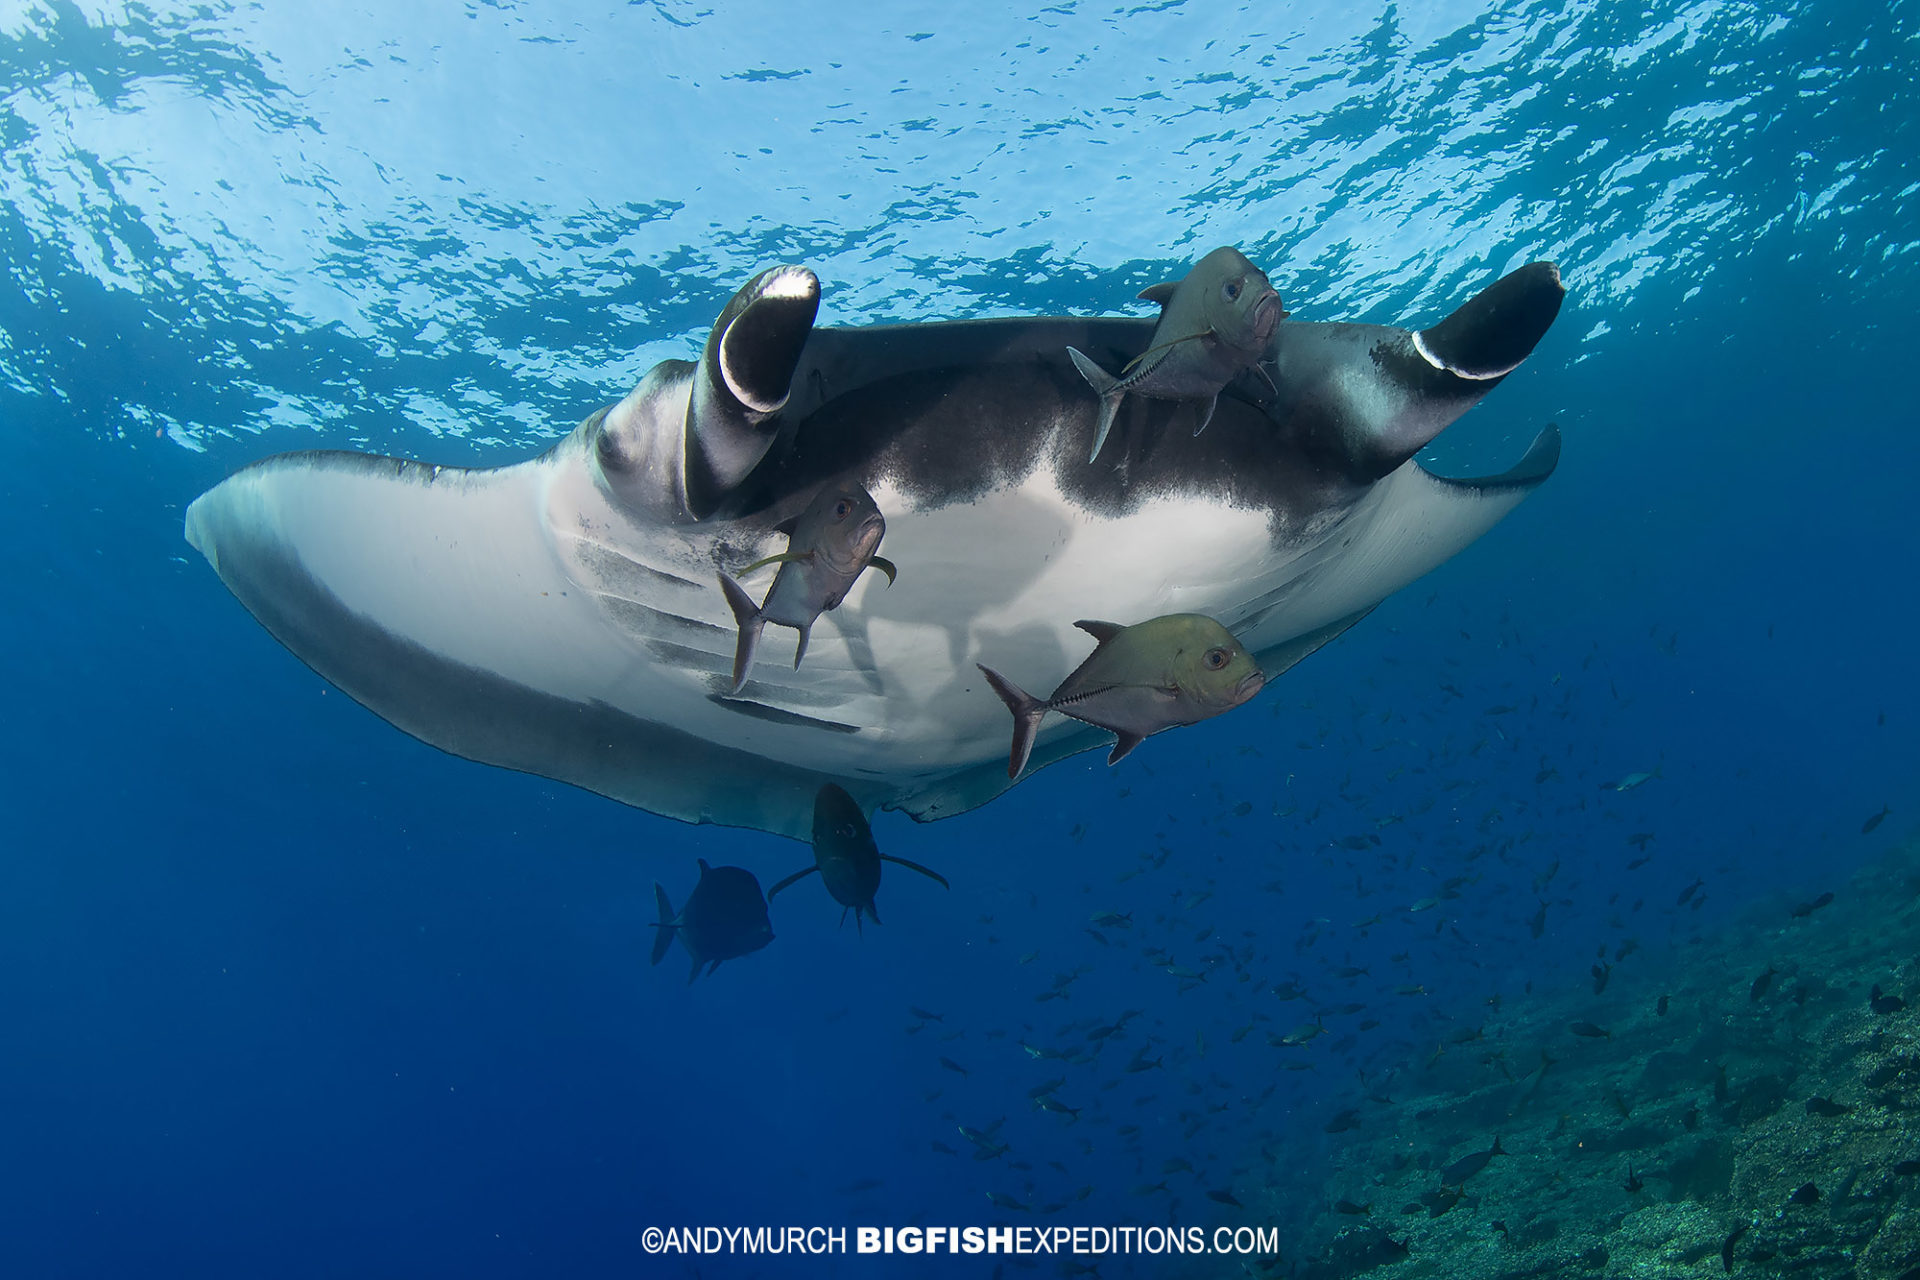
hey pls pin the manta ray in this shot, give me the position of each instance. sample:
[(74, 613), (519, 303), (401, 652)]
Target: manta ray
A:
[(562, 615)]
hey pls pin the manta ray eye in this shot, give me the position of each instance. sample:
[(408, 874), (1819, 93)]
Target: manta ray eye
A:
[(1231, 290), (1216, 659)]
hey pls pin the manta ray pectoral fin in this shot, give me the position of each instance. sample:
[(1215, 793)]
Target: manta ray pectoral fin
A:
[(885, 566), (785, 557), (1110, 391), (742, 381), (747, 614), (930, 874), (1101, 631), (1159, 293), (1123, 745), (795, 878)]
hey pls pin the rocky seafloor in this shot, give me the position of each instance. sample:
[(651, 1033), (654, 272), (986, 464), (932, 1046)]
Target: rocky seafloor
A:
[(1763, 1119)]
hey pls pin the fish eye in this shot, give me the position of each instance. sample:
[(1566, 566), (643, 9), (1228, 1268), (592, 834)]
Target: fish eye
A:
[(1216, 659), (1232, 290), (842, 509)]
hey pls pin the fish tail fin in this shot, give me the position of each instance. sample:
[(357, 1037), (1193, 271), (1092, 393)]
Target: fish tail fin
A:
[(747, 614), (664, 938), (1027, 710), (1206, 414), (1107, 387)]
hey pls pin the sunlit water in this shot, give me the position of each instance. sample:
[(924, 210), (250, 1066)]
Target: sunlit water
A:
[(289, 993)]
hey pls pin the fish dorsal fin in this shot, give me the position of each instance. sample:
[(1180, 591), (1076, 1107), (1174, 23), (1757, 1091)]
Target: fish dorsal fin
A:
[(1159, 293), (1101, 631), (785, 557)]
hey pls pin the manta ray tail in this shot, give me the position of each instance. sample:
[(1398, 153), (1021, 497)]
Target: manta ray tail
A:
[(1027, 714), (748, 615), (663, 939), (1108, 388)]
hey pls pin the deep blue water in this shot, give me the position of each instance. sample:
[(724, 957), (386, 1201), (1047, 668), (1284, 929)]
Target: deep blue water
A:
[(286, 992)]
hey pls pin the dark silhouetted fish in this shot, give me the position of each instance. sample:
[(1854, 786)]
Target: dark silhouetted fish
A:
[(1885, 1005), (1466, 1166), (725, 917), (1224, 1197), (1819, 1106), (848, 860), (1589, 1030), (1806, 909), (1762, 984), (1866, 828)]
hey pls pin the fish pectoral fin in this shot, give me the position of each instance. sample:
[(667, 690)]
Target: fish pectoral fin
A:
[(794, 878), (925, 871), (885, 566), (1206, 414), (785, 557), (1101, 631), (1273, 388), (800, 648), (1123, 745), (1168, 345), (1160, 294)]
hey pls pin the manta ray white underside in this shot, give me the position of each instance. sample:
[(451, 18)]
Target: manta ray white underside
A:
[(562, 616)]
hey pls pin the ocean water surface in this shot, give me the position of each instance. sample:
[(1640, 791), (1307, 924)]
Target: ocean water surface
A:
[(287, 992)]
